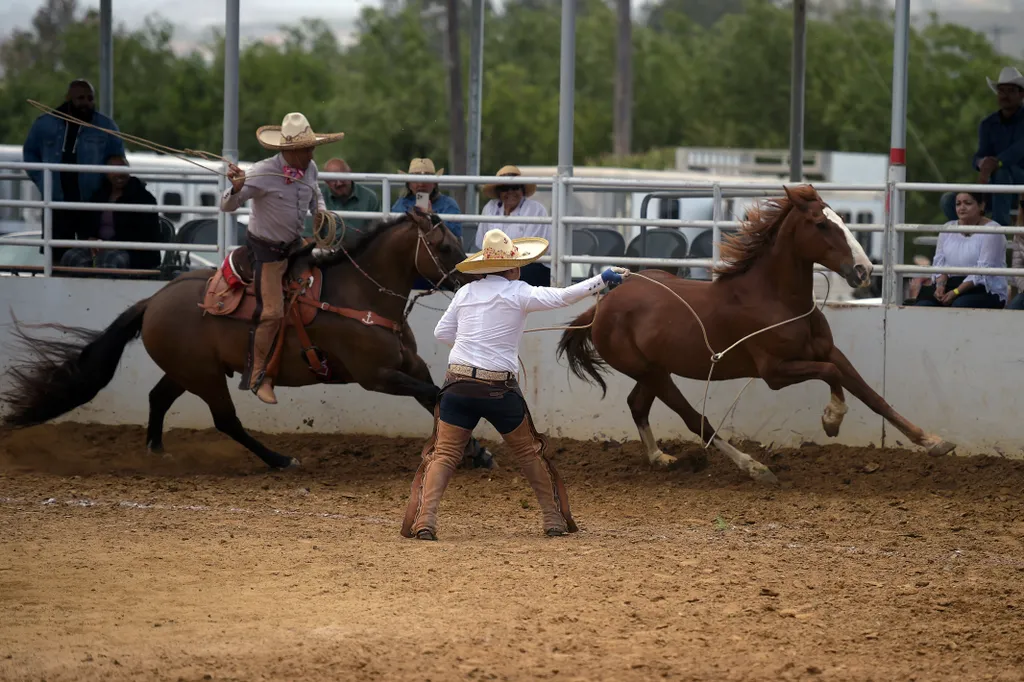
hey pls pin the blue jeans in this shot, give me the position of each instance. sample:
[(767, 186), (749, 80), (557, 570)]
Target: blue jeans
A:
[(504, 413), (1017, 303), (968, 300)]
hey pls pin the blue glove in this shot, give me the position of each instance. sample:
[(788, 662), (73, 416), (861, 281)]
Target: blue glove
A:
[(614, 275)]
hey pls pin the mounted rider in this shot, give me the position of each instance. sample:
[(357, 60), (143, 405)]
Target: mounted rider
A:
[(484, 324), (283, 190)]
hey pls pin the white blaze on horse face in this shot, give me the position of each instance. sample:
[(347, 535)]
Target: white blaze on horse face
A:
[(859, 257)]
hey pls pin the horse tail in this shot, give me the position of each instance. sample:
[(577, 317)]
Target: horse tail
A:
[(578, 347), (64, 373)]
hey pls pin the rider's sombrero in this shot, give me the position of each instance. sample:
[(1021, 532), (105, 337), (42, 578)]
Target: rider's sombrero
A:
[(491, 190), (500, 253), (293, 133)]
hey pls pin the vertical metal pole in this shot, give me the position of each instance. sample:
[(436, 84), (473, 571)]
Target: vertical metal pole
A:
[(226, 223), (106, 58), (796, 92), (892, 282), (716, 230), (385, 198), (556, 220), (47, 222), (566, 110), (476, 96)]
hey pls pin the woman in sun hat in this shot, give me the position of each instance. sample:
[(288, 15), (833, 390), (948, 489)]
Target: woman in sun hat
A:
[(484, 324), (513, 199), (283, 190)]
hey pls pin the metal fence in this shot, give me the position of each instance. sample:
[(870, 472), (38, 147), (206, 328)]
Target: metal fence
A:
[(561, 220)]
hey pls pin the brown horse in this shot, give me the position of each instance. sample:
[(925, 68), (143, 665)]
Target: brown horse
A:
[(198, 352), (644, 331)]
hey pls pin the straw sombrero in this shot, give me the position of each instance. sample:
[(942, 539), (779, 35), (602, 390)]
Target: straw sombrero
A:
[(421, 167), (490, 191), (293, 133), (500, 253)]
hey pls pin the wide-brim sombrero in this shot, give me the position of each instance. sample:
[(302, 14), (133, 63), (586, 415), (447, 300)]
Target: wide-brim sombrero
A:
[(293, 133), (528, 249), (491, 190)]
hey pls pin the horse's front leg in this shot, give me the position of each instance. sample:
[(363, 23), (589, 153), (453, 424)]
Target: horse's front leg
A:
[(857, 386), (475, 454), (779, 374)]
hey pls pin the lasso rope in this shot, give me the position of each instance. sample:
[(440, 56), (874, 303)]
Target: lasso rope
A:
[(716, 357), (327, 239)]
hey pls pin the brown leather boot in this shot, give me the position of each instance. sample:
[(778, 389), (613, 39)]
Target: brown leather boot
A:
[(432, 477), (527, 451), (262, 385)]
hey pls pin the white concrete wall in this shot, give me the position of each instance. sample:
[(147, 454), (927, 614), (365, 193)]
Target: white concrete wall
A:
[(952, 372)]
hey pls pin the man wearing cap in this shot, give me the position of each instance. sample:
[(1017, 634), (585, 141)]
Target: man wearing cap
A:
[(283, 190), (484, 324), (513, 199), (1000, 155)]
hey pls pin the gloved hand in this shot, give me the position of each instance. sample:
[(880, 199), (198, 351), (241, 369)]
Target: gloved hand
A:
[(614, 275)]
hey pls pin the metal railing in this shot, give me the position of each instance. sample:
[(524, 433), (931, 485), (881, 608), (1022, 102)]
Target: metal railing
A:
[(560, 219)]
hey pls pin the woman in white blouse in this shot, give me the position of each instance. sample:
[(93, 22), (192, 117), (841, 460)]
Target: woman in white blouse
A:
[(512, 199), (959, 250)]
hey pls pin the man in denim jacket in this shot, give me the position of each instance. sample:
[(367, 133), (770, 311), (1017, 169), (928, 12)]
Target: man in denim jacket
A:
[(51, 140)]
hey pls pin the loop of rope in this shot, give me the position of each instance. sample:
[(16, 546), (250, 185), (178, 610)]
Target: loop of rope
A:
[(716, 357), (327, 239)]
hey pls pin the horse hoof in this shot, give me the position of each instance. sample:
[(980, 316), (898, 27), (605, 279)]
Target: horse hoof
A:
[(762, 474), (293, 463), (831, 429), (483, 459), (663, 461), (943, 447)]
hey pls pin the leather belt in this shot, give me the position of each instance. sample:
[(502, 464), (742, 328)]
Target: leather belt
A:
[(477, 373)]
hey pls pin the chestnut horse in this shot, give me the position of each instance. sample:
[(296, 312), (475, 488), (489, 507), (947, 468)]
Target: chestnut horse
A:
[(645, 331), (198, 351)]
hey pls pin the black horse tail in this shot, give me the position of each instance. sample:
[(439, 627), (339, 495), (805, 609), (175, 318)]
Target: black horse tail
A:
[(578, 347), (63, 373)]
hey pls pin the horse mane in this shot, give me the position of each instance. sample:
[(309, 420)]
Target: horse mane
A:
[(740, 250), (339, 256)]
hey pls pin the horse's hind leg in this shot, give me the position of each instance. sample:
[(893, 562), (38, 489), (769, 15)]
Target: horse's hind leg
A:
[(666, 390), (857, 386), (214, 392), (640, 400), (161, 398)]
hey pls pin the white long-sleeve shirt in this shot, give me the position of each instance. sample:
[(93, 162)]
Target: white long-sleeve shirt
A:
[(484, 323), (526, 208), (982, 250)]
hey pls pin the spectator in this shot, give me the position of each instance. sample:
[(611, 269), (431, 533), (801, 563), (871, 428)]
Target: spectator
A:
[(439, 203), (968, 250), (511, 199), (52, 140), (118, 226), (1000, 156), (1017, 303), (345, 195)]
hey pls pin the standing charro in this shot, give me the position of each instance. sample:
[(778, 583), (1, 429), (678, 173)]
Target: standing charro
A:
[(484, 324), (283, 189)]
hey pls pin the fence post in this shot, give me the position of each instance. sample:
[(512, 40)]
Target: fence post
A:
[(47, 222), (556, 226), (891, 289), (385, 198), (716, 231)]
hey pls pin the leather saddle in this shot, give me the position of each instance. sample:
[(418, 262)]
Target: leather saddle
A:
[(231, 292)]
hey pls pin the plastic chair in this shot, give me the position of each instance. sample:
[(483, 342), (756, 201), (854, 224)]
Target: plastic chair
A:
[(662, 242)]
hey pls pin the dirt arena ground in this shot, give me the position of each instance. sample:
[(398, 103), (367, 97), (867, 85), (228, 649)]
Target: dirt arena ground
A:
[(863, 565)]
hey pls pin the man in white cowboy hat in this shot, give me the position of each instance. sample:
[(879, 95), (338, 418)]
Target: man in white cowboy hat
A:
[(513, 199), (283, 190), (1000, 155), (484, 324)]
